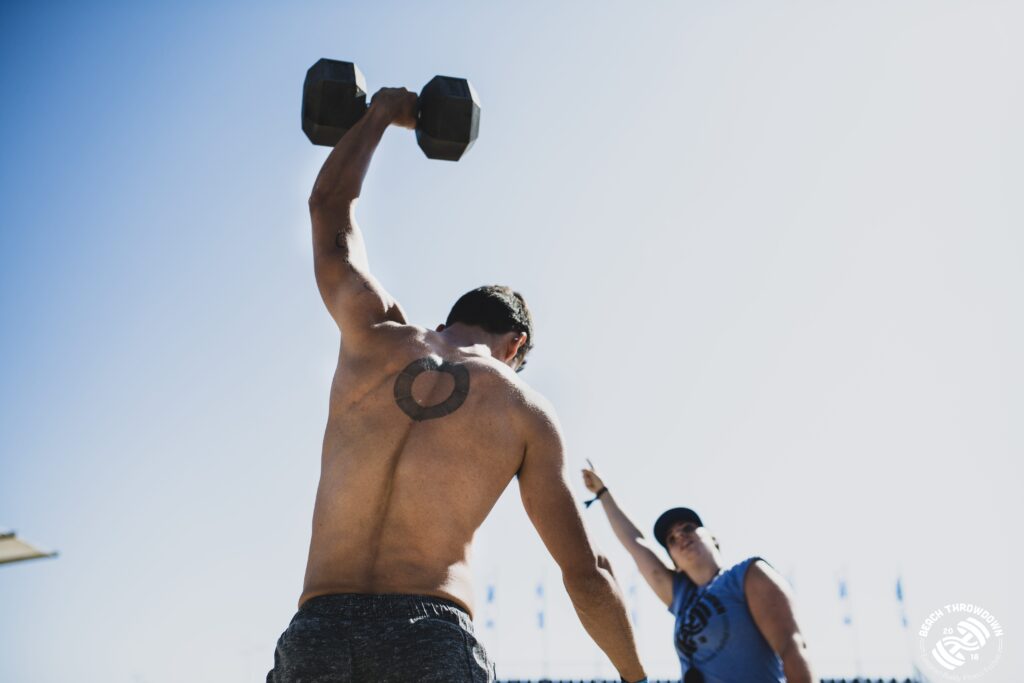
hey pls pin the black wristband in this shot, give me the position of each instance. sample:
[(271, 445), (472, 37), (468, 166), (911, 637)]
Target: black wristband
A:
[(588, 503)]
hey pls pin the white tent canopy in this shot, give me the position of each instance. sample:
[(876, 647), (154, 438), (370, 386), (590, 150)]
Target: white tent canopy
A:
[(13, 549)]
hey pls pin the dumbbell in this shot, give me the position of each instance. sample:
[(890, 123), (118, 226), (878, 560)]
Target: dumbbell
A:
[(334, 99)]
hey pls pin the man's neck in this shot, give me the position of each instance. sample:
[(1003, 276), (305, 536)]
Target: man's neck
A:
[(465, 336)]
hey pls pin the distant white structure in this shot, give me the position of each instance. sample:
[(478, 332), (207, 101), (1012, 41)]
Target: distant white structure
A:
[(13, 549)]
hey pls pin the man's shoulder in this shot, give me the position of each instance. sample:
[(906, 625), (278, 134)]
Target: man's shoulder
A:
[(536, 403), (539, 414), (523, 399), (522, 403)]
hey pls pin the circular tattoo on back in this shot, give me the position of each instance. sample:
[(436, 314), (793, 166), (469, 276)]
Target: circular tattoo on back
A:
[(403, 388)]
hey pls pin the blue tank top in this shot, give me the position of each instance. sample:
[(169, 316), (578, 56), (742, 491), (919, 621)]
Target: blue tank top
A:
[(715, 632)]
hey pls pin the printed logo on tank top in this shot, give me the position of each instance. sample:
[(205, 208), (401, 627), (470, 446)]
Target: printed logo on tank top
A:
[(703, 630)]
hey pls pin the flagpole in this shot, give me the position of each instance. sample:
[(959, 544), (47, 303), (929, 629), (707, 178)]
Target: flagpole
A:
[(905, 623), (541, 617), (844, 599), (491, 619)]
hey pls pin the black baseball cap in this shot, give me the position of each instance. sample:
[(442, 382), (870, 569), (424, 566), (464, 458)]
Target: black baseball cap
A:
[(670, 517)]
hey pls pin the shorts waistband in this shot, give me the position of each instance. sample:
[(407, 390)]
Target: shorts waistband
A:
[(386, 606)]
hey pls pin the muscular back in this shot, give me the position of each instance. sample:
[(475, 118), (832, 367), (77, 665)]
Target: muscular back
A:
[(416, 452), (421, 440)]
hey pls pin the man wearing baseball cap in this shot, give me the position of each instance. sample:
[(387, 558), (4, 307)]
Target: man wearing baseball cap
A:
[(734, 624)]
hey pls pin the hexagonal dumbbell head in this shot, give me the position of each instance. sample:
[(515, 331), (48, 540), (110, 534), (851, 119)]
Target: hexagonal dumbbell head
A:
[(449, 118), (333, 99)]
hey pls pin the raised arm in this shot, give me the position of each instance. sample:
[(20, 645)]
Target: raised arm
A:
[(354, 298), (586, 575), (654, 570)]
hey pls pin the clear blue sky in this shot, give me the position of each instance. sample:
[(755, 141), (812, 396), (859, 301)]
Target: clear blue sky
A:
[(773, 251)]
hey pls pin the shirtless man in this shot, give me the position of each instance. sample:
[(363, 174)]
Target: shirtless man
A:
[(425, 430)]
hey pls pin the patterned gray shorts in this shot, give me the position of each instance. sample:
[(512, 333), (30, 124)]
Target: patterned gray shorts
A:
[(380, 639)]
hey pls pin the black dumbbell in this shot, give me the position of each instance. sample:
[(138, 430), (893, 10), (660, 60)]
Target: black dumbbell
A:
[(334, 98)]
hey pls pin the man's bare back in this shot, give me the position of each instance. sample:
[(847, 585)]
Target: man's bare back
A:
[(425, 431), (406, 481)]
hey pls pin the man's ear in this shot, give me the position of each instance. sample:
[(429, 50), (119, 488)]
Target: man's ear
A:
[(440, 328), (515, 344)]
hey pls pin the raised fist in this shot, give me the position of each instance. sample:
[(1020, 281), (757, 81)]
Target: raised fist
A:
[(591, 480), (398, 105)]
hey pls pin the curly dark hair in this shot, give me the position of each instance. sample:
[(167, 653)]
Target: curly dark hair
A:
[(497, 309)]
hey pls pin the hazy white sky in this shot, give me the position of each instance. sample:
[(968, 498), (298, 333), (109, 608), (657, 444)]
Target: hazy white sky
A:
[(773, 252)]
